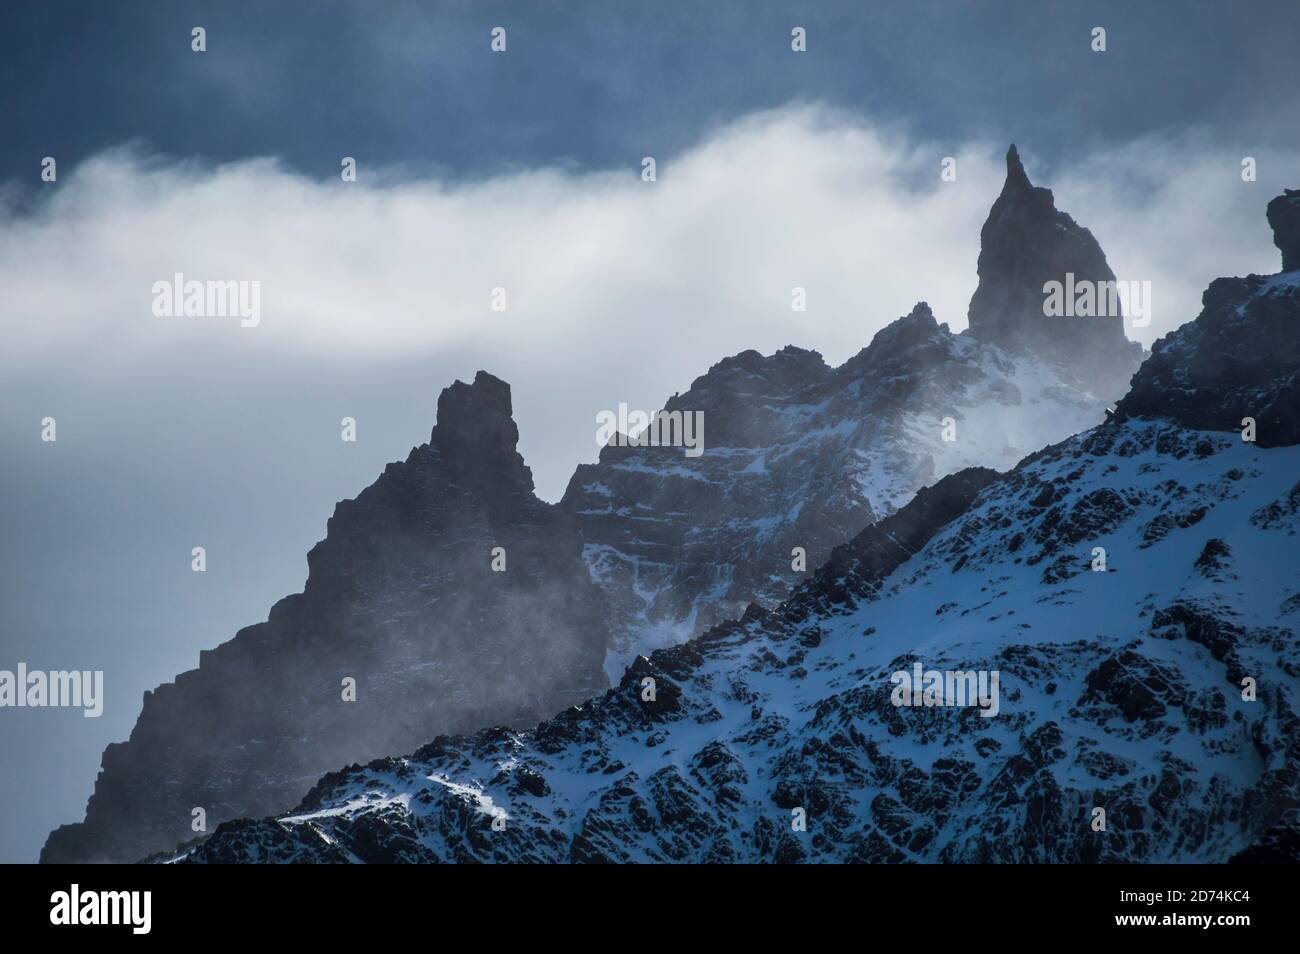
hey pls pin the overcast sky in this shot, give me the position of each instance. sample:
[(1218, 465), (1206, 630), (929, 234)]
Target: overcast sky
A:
[(519, 170)]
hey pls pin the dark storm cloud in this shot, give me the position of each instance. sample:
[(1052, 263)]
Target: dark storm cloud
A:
[(600, 84)]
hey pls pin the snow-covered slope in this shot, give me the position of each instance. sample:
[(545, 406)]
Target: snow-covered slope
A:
[(1136, 589)]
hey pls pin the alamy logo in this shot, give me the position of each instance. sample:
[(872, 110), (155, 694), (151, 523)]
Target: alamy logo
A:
[(212, 299), (950, 687), (103, 907), (58, 689), (1090, 299), (657, 429)]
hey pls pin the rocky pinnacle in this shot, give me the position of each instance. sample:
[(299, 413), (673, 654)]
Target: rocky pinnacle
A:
[(1284, 219), (1025, 243)]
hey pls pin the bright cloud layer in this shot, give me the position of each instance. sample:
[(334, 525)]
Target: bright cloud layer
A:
[(598, 268)]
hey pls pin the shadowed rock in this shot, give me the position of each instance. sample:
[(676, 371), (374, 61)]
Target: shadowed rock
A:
[(1284, 219), (1239, 359), (1024, 244), (399, 597)]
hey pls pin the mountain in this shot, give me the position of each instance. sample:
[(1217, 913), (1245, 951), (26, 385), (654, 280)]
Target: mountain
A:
[(1237, 361), (1025, 244), (1284, 218), (1133, 589), (648, 547), (799, 454), (401, 598)]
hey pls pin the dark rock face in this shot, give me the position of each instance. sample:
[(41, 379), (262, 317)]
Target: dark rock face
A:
[(400, 597), (1117, 692), (1239, 359), (1280, 845), (1024, 244), (1215, 558), (1284, 220)]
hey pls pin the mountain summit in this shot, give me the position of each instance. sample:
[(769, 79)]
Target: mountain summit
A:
[(1237, 361), (1284, 217), (401, 598), (1025, 243)]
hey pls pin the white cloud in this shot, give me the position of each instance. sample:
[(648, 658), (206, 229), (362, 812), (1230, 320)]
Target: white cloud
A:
[(706, 256), (618, 290)]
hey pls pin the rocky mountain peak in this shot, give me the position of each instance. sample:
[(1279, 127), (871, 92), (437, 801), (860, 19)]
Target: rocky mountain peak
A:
[(477, 432), (1025, 243), (790, 367), (405, 597), (1284, 219), (917, 326), (1240, 358), (1017, 178), (468, 413), (804, 359)]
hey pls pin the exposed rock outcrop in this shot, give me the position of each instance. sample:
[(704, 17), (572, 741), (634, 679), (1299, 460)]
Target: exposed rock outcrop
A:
[(1284, 220), (1238, 360), (1025, 244), (401, 598)]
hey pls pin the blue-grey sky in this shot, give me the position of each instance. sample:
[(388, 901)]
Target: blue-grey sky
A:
[(519, 169), (592, 84)]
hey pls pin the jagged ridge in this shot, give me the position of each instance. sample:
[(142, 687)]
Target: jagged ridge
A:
[(1122, 689)]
